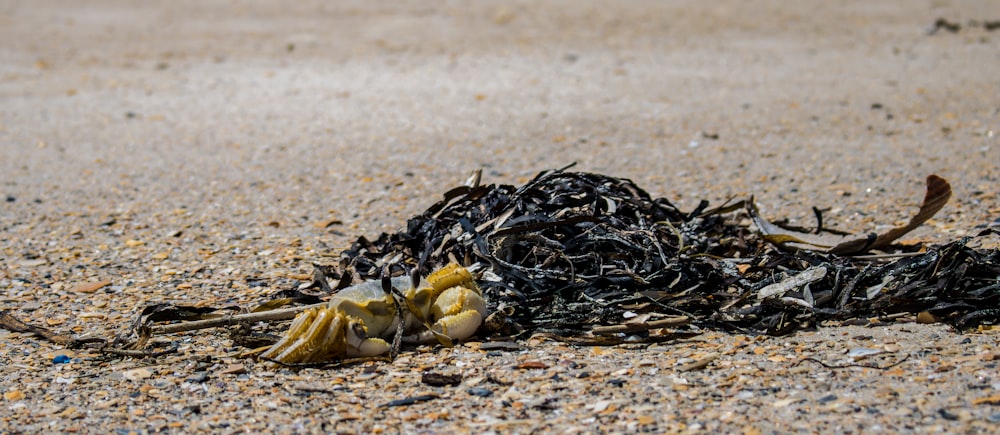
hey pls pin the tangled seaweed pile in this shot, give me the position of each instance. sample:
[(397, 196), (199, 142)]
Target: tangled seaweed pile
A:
[(569, 251)]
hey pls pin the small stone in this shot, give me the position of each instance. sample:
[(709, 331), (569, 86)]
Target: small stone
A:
[(947, 415), (781, 403), (479, 391), (600, 406), (89, 287), (527, 365), (198, 377), (13, 395), (34, 262), (862, 352), (233, 369), (827, 398), (137, 374)]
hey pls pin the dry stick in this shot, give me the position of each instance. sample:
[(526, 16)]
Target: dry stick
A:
[(644, 326), (265, 316), (11, 323)]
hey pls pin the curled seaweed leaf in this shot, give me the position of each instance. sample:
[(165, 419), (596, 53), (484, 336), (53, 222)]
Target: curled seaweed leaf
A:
[(937, 195)]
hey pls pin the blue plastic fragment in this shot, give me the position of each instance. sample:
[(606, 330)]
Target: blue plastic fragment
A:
[(60, 359)]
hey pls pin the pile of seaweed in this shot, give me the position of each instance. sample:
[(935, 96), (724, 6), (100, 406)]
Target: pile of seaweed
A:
[(571, 251)]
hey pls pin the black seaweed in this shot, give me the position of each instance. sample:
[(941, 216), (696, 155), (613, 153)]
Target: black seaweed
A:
[(571, 250)]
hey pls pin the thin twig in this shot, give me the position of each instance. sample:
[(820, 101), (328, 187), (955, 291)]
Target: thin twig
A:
[(643, 326), (11, 323), (888, 256), (264, 316), (844, 366)]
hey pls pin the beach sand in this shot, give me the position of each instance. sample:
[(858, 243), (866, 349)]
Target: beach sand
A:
[(210, 152)]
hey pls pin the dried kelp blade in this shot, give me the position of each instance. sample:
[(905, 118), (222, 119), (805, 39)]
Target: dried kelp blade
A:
[(937, 195), (782, 237)]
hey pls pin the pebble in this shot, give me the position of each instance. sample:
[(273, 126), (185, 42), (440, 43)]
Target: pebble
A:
[(137, 374), (859, 353), (481, 392), (233, 369), (198, 377)]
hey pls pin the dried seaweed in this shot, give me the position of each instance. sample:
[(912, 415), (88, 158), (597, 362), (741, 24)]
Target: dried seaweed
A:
[(938, 193), (570, 251), (584, 256)]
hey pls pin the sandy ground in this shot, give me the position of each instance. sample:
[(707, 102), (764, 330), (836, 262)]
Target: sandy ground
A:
[(192, 152)]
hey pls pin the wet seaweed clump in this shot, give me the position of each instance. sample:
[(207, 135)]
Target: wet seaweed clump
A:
[(574, 253)]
